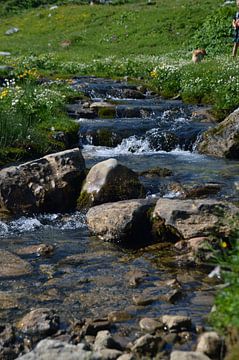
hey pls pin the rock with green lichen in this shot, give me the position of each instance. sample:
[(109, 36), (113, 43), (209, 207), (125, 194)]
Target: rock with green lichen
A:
[(223, 140), (109, 181), (191, 218)]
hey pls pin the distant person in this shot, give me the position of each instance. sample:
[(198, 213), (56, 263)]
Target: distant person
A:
[(235, 25)]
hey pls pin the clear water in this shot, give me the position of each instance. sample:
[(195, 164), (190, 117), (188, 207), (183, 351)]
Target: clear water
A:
[(95, 281)]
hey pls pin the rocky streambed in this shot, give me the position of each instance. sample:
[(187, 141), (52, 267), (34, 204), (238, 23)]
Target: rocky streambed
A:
[(114, 263)]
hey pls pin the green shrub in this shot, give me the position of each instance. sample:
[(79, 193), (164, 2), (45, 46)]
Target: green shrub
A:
[(215, 34), (225, 316), (31, 115)]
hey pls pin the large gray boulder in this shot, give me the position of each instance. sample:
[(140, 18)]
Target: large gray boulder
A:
[(51, 183), (123, 221), (223, 140), (109, 181), (191, 218)]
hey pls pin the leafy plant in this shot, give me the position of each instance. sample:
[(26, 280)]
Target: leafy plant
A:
[(215, 33), (225, 317)]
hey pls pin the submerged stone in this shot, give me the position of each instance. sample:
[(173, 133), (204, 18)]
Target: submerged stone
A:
[(12, 265)]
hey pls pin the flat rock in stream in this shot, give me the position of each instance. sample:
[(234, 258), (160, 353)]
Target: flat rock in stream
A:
[(48, 184), (8, 300), (124, 221), (109, 181), (12, 265), (39, 322), (192, 218), (188, 355), (54, 349)]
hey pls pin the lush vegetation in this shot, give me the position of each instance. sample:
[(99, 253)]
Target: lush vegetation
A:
[(74, 39), (33, 121), (225, 317)]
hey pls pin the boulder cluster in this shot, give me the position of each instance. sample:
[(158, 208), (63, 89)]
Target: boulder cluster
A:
[(117, 210)]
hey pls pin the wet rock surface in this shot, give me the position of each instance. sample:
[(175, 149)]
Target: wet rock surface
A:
[(193, 218), (52, 349), (188, 355), (123, 221), (47, 184), (222, 140), (109, 181), (12, 265), (39, 322)]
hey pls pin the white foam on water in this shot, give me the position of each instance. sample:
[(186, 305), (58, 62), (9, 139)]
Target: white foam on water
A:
[(3, 228), (31, 224), (134, 146)]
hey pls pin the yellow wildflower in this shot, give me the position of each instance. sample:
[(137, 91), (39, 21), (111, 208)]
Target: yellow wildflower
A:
[(224, 244), (153, 73), (4, 93)]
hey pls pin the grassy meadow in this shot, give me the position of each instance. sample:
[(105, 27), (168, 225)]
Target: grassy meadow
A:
[(98, 31), (151, 42)]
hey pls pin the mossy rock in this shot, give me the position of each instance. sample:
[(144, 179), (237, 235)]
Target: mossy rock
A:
[(164, 233), (157, 171), (107, 112), (84, 201), (12, 154), (104, 137)]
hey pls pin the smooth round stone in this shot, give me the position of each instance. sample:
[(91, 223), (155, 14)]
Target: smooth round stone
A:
[(142, 300), (118, 316), (150, 325)]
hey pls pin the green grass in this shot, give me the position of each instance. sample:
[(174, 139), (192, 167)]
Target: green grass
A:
[(225, 317), (100, 31)]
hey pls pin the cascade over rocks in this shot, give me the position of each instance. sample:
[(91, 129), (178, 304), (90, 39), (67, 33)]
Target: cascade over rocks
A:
[(109, 181), (48, 184), (123, 221), (223, 140), (191, 218)]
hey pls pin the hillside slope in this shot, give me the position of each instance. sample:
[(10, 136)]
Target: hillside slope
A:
[(90, 32)]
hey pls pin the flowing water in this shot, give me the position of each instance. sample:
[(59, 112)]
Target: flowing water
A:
[(85, 277)]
